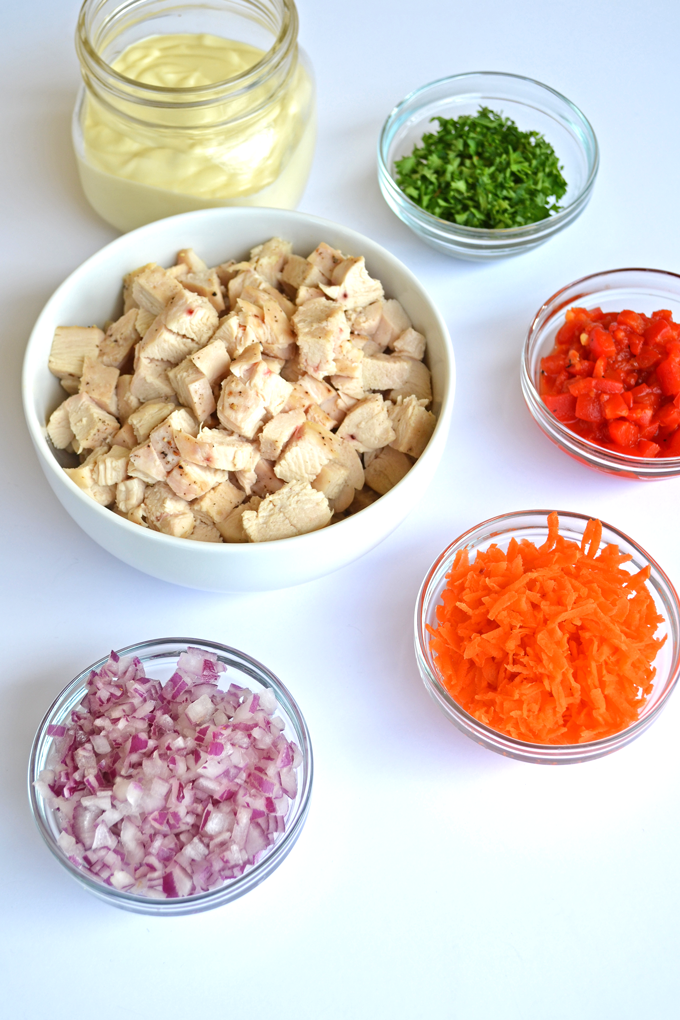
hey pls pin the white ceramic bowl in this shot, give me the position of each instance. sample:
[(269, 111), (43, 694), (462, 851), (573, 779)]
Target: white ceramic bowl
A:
[(92, 294)]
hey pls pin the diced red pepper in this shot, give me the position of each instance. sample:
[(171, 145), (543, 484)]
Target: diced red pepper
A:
[(562, 405), (614, 378), (624, 433), (589, 408), (668, 374)]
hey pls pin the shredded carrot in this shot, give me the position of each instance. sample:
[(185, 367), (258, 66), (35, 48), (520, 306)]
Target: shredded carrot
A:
[(551, 644)]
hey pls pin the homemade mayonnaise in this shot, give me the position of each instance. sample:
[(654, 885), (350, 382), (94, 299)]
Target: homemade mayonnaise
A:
[(193, 121)]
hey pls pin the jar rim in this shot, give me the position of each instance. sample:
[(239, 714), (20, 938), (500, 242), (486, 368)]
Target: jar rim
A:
[(93, 64)]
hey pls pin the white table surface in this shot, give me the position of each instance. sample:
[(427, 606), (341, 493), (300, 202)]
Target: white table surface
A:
[(433, 878)]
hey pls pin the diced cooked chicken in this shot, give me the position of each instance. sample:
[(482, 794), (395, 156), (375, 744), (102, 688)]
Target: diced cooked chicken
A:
[(268, 259), (298, 272), (231, 528), (207, 285), (367, 426), (317, 415), (219, 501), (70, 383), (393, 322), (320, 327), (70, 346), (278, 430), (410, 342), (146, 463), (110, 467), (84, 478), (59, 428), (306, 294), (129, 494), (216, 448), (384, 468), (143, 320), (364, 321), (127, 401), (125, 436), (418, 383), (116, 345), (160, 343), (204, 529), (148, 416), (326, 259), (332, 479), (191, 481), (167, 512), (345, 453), (351, 286), (280, 398), (241, 407), (349, 360), (244, 365), (385, 371), (153, 288), (212, 360), (191, 315), (413, 425), (150, 380), (295, 509), (90, 424), (265, 481), (193, 388), (305, 453), (99, 381)]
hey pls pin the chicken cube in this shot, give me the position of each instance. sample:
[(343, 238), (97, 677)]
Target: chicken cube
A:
[(418, 383), (99, 381), (219, 501), (231, 528), (296, 509), (70, 346), (384, 468), (320, 327), (129, 494), (351, 286), (117, 343), (204, 529), (216, 448), (278, 430), (191, 481), (305, 453), (191, 315), (367, 426), (167, 512), (193, 388), (410, 342), (385, 371), (153, 288), (413, 425), (110, 467), (393, 322), (84, 478), (148, 416), (91, 425)]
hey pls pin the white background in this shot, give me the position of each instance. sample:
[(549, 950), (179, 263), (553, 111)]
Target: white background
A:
[(434, 878)]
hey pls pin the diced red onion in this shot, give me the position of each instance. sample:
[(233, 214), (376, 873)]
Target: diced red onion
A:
[(169, 789)]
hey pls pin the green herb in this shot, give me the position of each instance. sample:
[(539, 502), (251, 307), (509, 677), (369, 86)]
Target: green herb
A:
[(482, 171)]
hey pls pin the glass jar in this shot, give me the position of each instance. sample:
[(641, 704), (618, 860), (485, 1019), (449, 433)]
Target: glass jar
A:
[(190, 106)]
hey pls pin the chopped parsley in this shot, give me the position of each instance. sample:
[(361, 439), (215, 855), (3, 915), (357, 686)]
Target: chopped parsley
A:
[(482, 171)]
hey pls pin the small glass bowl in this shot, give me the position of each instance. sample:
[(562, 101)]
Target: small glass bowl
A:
[(532, 525), (159, 658), (641, 290), (533, 107)]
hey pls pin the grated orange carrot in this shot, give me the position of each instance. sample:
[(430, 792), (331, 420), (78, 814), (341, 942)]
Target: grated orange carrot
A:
[(551, 644)]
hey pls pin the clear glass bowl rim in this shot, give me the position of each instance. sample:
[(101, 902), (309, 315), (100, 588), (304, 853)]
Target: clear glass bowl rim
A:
[(497, 528), (598, 456), (234, 888), (527, 231)]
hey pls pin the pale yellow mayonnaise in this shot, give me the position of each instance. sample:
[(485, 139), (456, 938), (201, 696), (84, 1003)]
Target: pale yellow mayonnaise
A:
[(139, 163)]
